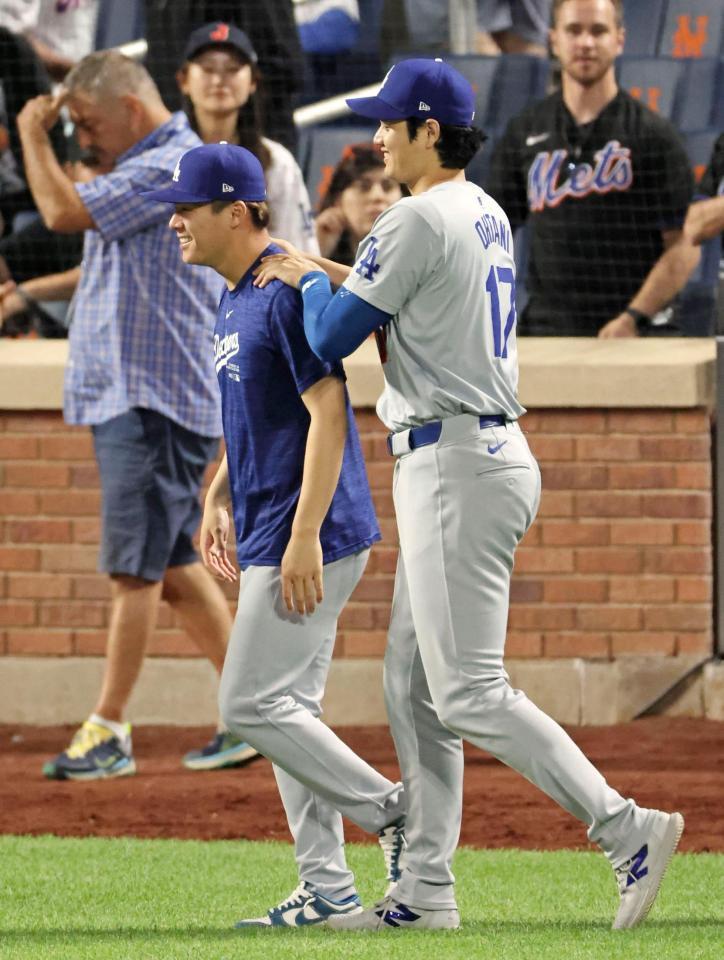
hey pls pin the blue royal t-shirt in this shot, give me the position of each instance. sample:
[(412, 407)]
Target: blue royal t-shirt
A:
[(264, 364)]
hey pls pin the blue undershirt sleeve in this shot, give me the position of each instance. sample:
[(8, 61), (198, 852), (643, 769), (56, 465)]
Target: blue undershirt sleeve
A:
[(336, 324)]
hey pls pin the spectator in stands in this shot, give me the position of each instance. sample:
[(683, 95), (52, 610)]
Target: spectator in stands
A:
[(357, 193), (141, 374), (219, 79), (705, 218), (604, 183), (22, 77), (513, 26), (61, 33), (504, 26), (38, 266), (269, 23)]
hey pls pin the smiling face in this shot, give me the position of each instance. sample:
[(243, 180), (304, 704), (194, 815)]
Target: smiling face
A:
[(586, 39), (366, 198), (201, 232), (217, 81), (405, 161)]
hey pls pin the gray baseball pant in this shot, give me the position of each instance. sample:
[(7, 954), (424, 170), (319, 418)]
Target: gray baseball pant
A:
[(462, 509), (270, 695)]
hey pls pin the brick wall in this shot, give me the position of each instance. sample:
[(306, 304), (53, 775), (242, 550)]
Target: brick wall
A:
[(618, 563)]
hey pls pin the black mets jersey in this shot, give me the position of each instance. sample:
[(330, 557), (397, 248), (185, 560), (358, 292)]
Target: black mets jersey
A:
[(597, 197)]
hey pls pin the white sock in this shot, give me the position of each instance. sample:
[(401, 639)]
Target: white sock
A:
[(121, 730)]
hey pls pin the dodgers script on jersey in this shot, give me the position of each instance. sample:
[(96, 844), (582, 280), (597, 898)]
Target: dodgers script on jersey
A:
[(425, 259), (264, 365)]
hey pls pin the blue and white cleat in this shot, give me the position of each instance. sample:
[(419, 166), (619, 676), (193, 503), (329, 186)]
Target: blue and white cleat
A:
[(222, 751), (393, 843), (303, 908), (390, 914), (639, 878), (95, 753)]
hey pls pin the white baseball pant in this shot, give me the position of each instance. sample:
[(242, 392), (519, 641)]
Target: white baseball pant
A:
[(270, 695), (462, 507)]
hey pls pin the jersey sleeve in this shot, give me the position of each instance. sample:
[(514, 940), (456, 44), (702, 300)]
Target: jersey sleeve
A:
[(507, 181), (712, 183), (395, 258), (113, 200), (287, 331)]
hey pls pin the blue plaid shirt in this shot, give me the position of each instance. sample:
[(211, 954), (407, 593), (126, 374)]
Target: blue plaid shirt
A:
[(143, 322)]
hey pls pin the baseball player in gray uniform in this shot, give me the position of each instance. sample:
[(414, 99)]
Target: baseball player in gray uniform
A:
[(436, 278)]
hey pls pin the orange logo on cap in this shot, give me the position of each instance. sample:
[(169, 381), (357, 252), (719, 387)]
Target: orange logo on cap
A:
[(220, 33)]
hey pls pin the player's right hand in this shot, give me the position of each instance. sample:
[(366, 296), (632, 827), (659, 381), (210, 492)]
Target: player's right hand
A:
[(301, 570), (213, 539)]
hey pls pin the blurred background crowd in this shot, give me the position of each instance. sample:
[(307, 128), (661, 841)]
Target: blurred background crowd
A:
[(254, 72)]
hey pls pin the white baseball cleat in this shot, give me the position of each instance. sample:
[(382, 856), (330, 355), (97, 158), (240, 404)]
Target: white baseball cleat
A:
[(390, 914), (640, 877)]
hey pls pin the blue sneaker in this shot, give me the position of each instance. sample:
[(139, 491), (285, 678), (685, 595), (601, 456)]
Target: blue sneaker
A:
[(224, 750), (303, 908), (393, 843), (95, 753)]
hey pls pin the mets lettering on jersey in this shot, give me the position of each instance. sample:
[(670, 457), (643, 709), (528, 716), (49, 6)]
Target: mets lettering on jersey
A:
[(612, 171)]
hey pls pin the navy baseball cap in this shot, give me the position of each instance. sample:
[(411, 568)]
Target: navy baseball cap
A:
[(214, 171), (220, 34), (428, 89)]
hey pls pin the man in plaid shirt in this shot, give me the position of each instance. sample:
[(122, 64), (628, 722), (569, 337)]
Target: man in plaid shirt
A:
[(141, 374)]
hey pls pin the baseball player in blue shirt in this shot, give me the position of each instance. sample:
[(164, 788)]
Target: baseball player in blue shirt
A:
[(436, 278), (304, 521)]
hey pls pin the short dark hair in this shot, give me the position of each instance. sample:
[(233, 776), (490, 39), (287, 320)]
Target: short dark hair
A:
[(456, 146), (617, 6), (259, 211)]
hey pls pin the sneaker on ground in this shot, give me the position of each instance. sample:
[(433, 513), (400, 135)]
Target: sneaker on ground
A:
[(95, 753), (640, 877), (302, 908), (393, 843), (390, 914), (224, 750)]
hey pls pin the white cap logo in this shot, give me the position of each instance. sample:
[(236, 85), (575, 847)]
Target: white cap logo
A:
[(385, 80), (226, 188), (177, 171), (424, 106)]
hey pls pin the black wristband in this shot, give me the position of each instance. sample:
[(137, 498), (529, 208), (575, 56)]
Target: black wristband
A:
[(642, 320)]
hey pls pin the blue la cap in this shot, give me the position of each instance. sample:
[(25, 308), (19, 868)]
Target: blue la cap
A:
[(428, 89), (214, 171)]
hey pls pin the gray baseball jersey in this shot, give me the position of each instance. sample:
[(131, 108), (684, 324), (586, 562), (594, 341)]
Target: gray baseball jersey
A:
[(426, 260)]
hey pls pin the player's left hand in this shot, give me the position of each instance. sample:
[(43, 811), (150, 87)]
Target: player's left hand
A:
[(41, 113), (302, 574), (290, 268), (623, 325)]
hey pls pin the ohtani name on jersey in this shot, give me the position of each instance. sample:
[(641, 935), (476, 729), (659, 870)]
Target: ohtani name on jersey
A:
[(612, 171), (225, 348), (491, 230)]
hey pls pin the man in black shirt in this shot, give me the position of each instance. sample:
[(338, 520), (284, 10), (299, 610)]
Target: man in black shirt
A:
[(605, 183)]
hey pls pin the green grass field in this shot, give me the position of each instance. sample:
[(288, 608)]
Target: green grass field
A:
[(167, 899)]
